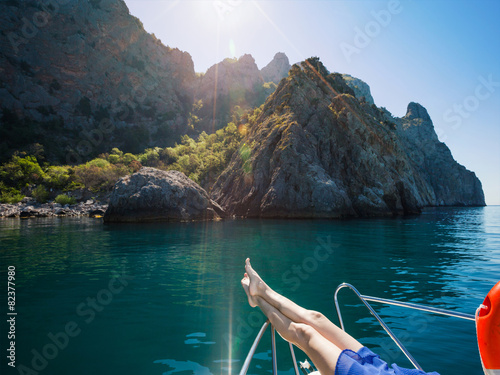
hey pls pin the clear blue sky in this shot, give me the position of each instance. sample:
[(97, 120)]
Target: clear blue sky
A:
[(444, 54)]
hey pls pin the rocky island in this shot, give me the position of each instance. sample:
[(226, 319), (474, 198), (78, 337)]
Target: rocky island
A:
[(318, 151), (278, 142)]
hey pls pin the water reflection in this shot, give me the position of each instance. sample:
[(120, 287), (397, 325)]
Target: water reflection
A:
[(185, 302)]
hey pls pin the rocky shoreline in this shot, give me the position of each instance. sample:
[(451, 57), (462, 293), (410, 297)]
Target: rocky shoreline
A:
[(32, 209)]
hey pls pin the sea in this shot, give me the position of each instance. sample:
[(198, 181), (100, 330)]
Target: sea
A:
[(165, 298)]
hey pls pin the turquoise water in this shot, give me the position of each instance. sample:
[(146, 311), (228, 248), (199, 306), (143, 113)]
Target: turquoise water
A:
[(166, 299)]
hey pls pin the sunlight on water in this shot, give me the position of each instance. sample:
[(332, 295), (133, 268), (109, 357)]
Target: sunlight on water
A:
[(166, 298)]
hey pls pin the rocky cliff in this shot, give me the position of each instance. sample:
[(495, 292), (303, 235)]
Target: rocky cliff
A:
[(233, 86), (277, 69), (86, 74), (316, 150), (81, 77), (225, 85), (360, 88), (451, 183)]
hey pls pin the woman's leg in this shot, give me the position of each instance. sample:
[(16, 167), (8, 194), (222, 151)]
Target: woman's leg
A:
[(322, 352), (340, 338)]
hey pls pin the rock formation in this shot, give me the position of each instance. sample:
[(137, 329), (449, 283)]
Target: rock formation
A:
[(360, 88), (277, 69), (230, 83), (235, 85), (82, 77), (155, 195), (87, 75), (317, 151), (452, 184)]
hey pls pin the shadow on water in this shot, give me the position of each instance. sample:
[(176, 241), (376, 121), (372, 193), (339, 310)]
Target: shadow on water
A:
[(182, 310)]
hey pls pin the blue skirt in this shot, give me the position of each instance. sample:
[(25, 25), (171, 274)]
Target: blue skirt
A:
[(365, 362)]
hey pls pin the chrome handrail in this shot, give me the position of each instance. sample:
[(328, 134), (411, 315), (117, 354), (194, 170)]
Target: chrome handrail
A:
[(384, 326), (250, 354), (414, 306), (364, 299), (294, 361), (273, 351), (252, 350)]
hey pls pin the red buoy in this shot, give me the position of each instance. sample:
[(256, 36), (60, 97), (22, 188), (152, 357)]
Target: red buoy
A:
[(488, 331)]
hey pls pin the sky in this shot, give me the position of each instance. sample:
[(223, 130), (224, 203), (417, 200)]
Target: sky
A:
[(443, 54)]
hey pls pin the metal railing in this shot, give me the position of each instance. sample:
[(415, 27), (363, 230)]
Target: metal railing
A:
[(251, 353), (414, 306), (365, 300)]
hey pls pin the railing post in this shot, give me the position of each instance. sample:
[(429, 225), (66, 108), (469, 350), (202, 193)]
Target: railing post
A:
[(250, 354), (382, 323), (273, 348), (294, 361)]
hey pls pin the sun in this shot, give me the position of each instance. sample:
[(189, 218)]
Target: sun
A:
[(228, 19)]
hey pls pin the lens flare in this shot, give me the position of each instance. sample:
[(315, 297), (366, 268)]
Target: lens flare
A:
[(232, 48), (243, 129)]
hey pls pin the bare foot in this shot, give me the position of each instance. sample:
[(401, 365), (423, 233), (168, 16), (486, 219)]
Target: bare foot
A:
[(257, 285), (245, 282)]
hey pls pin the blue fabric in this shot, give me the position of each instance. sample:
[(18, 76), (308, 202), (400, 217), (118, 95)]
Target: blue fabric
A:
[(365, 362)]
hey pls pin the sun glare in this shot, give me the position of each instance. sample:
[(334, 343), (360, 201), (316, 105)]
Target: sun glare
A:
[(229, 21)]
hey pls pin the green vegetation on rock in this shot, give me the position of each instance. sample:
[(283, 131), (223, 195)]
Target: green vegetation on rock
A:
[(202, 160), (63, 199), (9, 194), (41, 194)]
